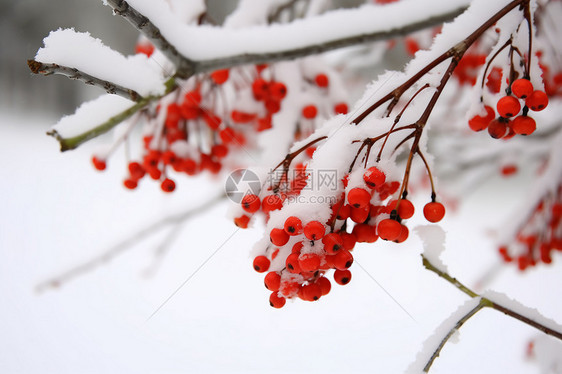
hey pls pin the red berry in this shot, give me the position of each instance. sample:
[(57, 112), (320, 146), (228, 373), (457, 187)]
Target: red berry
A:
[(168, 185), (537, 101), (343, 260), (259, 88), (261, 264), (523, 125), (498, 128), (508, 106), (324, 284), (250, 203), (341, 108), (297, 247), (405, 208), (130, 183), (136, 170), (276, 301), (403, 234), (98, 163), (321, 80), (314, 230), (479, 123), (279, 237), (358, 197), (272, 281), (309, 261), (522, 88), (309, 111), (242, 117), (374, 177), (277, 90), (342, 277), (293, 226), (434, 212), (272, 202), (220, 76), (365, 233), (292, 263), (242, 221), (349, 240), (311, 292), (219, 150), (359, 215), (332, 243), (389, 229)]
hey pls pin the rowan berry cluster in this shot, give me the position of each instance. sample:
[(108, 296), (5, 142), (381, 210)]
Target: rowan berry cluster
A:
[(299, 253), (540, 236)]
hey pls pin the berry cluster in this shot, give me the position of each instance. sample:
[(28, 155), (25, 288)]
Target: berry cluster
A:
[(539, 237), (513, 118), (301, 251)]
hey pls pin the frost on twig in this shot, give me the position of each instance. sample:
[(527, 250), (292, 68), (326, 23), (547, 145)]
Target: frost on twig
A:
[(138, 236)]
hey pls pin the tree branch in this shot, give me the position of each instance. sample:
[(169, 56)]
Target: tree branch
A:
[(185, 67), (73, 73), (129, 242)]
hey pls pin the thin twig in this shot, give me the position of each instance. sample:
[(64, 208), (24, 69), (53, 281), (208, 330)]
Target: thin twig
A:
[(125, 244), (73, 73)]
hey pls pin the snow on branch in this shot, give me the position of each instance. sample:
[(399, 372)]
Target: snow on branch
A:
[(211, 48), (80, 56)]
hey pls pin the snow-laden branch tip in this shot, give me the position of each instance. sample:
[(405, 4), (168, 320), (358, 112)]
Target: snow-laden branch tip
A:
[(210, 48), (79, 55)]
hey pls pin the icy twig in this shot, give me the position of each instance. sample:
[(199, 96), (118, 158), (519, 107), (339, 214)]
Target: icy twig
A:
[(489, 302), (73, 73), (185, 67), (118, 249)]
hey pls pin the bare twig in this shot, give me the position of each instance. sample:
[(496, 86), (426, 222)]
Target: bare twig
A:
[(129, 242), (73, 73), (185, 67)]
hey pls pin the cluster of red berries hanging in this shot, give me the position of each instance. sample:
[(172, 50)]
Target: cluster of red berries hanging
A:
[(209, 119), (512, 110), (299, 253), (540, 236)]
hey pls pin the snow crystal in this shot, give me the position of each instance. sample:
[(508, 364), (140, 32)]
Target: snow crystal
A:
[(81, 51), (433, 239)]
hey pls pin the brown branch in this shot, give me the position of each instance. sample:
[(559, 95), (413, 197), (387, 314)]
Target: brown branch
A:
[(38, 67)]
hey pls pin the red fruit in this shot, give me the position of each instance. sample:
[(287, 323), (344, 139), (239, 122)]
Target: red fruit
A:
[(412, 46), (136, 170), (522, 88), (214, 122), (373, 177), (343, 260), (261, 264), (272, 202), (309, 261), (365, 233), (434, 212), (332, 243), (130, 183), (227, 135), (341, 108), (250, 203), (389, 229), (272, 105), (193, 98), (292, 263), (537, 101), (311, 292), (479, 123), (276, 301), (98, 163), (144, 48), (297, 247), (314, 230), (242, 117), (259, 88), (242, 221), (359, 215), (523, 125), (343, 212), (405, 208), (508, 106), (220, 76), (403, 234), (321, 80), (219, 150), (498, 128), (169, 157), (358, 197), (309, 111), (349, 240), (325, 285), (188, 111), (168, 185), (279, 237), (272, 281), (173, 113), (293, 226), (277, 90), (342, 277)]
